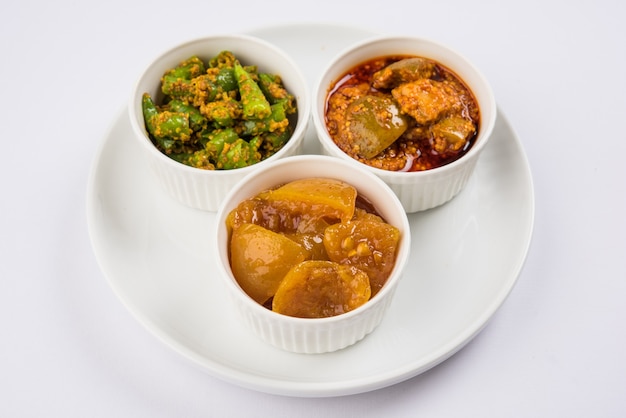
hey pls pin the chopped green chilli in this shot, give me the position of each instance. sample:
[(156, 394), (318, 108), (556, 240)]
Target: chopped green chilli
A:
[(220, 114)]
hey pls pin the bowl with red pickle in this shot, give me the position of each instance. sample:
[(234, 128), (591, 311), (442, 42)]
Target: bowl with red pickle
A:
[(209, 111), (412, 111), (312, 249)]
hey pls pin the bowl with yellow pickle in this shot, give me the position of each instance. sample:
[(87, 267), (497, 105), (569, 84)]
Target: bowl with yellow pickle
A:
[(209, 111), (311, 249), (411, 110)]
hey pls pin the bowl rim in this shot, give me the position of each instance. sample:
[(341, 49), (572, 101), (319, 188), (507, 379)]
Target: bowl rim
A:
[(402, 255), (486, 127), (303, 103)]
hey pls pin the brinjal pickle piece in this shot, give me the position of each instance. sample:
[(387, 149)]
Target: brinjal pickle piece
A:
[(373, 123), (403, 71)]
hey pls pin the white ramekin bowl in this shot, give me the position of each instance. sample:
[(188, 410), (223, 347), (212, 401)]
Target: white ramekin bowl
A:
[(420, 190), (317, 335), (205, 189)]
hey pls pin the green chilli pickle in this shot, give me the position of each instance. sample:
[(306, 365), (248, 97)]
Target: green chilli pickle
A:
[(219, 114)]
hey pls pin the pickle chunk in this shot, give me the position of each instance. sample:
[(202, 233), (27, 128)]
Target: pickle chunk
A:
[(403, 71), (319, 289), (373, 123), (293, 207), (315, 197), (261, 258), (366, 243)]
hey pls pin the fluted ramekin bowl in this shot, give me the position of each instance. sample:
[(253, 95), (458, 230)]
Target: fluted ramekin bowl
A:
[(206, 189), (313, 335), (418, 190)]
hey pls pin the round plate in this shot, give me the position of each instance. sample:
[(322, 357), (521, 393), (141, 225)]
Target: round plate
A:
[(158, 257)]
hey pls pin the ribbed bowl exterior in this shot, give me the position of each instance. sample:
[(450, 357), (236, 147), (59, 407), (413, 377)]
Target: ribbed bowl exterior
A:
[(426, 192), (203, 189), (206, 189), (314, 335), (417, 191), (420, 196)]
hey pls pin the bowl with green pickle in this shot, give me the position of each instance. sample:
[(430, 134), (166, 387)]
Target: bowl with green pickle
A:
[(412, 111), (311, 249), (209, 111)]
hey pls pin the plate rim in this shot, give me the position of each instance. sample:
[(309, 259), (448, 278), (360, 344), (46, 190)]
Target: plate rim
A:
[(294, 388)]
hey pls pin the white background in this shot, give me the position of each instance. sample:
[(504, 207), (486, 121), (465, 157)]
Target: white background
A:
[(556, 348)]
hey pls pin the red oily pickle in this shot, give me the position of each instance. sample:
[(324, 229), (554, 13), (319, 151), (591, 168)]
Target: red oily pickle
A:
[(419, 115)]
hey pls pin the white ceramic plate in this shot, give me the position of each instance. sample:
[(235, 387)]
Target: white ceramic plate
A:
[(158, 257)]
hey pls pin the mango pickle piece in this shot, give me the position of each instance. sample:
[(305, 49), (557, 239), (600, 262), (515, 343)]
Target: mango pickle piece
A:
[(260, 258), (364, 215), (365, 243), (315, 197), (319, 289), (310, 235), (294, 206), (259, 212), (312, 243)]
